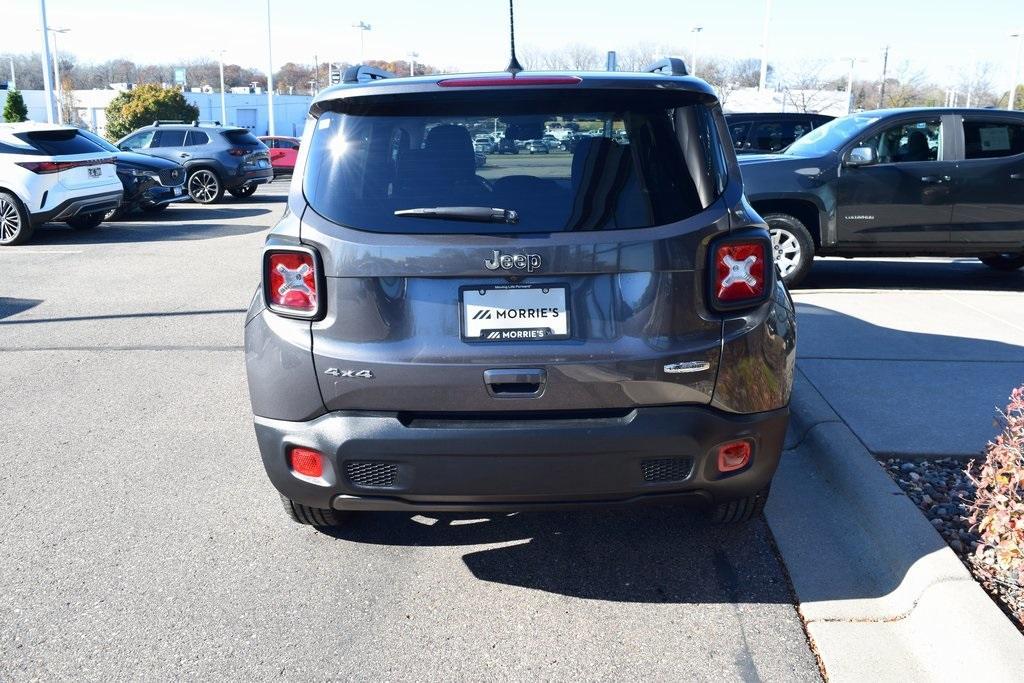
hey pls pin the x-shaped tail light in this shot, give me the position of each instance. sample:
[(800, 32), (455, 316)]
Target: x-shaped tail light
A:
[(740, 272), (291, 283)]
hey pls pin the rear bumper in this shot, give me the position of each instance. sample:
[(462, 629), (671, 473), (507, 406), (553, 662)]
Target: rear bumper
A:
[(378, 461), (258, 177), (78, 205)]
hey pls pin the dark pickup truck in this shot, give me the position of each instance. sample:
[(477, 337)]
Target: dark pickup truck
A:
[(897, 182)]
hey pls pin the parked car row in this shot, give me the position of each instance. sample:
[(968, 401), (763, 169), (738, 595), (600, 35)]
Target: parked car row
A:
[(60, 173)]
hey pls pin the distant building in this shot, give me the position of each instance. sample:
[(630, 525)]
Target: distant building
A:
[(245, 109), (830, 102)]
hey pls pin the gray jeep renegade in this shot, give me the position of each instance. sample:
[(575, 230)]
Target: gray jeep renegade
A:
[(595, 327)]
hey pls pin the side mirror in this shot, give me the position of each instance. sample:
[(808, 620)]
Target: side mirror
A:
[(862, 156), (124, 148)]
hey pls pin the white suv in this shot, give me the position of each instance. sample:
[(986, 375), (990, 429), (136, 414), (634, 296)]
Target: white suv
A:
[(52, 173)]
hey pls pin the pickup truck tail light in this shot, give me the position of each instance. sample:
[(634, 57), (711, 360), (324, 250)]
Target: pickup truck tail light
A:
[(741, 273), (293, 282)]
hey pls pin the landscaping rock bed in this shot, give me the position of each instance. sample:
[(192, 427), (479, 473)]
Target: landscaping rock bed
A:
[(943, 492)]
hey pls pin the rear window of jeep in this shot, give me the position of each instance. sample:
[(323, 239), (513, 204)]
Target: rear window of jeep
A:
[(633, 160)]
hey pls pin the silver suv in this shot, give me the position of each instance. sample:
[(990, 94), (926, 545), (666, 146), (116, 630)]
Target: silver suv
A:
[(217, 158), (598, 327)]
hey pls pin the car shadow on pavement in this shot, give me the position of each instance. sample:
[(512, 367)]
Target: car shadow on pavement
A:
[(964, 274), (646, 553), (13, 306), (177, 227)]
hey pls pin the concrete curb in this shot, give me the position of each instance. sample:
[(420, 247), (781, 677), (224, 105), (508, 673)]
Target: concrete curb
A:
[(882, 594)]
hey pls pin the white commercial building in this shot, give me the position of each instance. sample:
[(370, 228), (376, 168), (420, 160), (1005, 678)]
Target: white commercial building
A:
[(246, 110)]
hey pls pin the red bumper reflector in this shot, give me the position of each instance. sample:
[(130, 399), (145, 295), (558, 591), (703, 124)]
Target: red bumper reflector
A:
[(733, 456), (306, 461)]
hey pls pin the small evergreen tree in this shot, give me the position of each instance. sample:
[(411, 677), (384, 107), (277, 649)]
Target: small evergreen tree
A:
[(15, 110), (145, 104)]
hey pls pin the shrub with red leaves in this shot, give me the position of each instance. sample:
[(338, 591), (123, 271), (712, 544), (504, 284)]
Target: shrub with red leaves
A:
[(998, 509)]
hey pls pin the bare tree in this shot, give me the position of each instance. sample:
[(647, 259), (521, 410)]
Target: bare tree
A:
[(582, 57), (804, 86)]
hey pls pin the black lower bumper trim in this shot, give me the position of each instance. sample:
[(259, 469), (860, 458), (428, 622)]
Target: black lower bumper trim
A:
[(521, 464)]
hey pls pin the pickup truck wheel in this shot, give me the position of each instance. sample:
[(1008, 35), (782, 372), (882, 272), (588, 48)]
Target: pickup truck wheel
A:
[(742, 510), (792, 245), (1003, 261), (318, 517)]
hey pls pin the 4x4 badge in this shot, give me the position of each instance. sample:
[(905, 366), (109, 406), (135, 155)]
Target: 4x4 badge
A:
[(335, 372), (527, 262)]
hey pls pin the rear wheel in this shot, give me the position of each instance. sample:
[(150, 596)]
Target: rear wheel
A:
[(244, 191), (86, 221), (204, 187), (115, 214), (318, 517), (792, 246), (742, 510), (14, 224), (1003, 261)]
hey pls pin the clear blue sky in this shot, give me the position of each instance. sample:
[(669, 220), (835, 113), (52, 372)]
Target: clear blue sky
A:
[(943, 36)]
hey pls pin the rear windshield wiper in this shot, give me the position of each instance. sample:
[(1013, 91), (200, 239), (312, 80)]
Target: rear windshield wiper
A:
[(480, 214)]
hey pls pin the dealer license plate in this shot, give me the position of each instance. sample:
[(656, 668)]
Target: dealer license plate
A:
[(515, 312)]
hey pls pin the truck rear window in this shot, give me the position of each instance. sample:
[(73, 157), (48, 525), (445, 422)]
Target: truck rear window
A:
[(562, 160)]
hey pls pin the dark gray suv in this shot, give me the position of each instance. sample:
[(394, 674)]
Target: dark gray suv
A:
[(217, 158), (590, 328)]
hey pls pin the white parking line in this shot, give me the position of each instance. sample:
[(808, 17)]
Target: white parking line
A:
[(36, 251)]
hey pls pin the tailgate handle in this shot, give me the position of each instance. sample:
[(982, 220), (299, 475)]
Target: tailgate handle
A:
[(515, 382)]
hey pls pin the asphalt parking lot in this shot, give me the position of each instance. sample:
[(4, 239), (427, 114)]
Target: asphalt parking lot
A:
[(140, 538)]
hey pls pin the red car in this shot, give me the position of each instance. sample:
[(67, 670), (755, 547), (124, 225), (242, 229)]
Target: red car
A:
[(283, 151)]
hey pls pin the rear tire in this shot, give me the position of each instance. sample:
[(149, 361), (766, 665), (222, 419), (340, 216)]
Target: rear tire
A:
[(204, 186), (793, 246), (739, 511), (86, 221), (1005, 262), (243, 192), (316, 517), (15, 227)]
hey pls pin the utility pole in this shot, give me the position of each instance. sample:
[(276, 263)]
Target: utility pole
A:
[(270, 79), (47, 69), (223, 106), (412, 64), (14, 83), (1012, 99), (849, 86), (696, 41), (885, 73), (363, 28), (316, 75), (763, 80)]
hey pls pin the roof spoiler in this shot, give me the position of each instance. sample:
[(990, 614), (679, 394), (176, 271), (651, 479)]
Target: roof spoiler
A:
[(671, 66), (365, 74)]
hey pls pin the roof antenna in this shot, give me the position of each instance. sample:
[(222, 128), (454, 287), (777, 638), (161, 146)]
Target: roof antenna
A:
[(514, 66)]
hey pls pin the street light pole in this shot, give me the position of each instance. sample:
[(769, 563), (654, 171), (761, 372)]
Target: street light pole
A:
[(849, 86), (270, 79), (412, 64), (696, 40), (45, 55), (223, 107), (14, 83), (763, 80), (363, 28), (56, 71), (1012, 99)]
